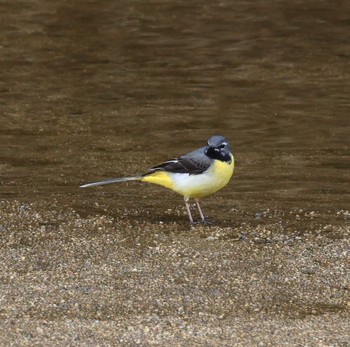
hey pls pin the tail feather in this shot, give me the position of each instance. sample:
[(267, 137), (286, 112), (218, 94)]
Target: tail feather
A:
[(110, 181)]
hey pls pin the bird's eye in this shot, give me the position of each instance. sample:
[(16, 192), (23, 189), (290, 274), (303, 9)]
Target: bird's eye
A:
[(222, 146)]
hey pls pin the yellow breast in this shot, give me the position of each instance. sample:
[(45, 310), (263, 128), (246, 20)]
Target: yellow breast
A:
[(223, 171), (195, 186), (218, 176)]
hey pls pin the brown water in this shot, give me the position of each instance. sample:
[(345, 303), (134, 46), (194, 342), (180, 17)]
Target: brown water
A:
[(101, 89)]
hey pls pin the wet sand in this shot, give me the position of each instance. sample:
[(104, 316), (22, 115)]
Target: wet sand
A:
[(134, 280), (99, 89)]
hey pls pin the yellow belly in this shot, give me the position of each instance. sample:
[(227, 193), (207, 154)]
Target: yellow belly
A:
[(159, 177), (195, 186), (209, 182)]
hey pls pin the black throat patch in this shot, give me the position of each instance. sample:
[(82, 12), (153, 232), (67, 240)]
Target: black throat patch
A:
[(214, 154)]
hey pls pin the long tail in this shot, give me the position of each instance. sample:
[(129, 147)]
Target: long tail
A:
[(110, 181)]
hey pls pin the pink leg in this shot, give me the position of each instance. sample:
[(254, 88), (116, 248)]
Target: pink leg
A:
[(188, 210), (200, 210)]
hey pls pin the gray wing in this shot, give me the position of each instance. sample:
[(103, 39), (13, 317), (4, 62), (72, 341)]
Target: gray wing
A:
[(193, 163)]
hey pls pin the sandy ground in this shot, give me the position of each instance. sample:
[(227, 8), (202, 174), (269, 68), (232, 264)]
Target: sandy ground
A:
[(98, 89), (130, 280)]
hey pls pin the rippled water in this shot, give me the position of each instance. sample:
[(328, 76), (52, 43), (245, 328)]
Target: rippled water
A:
[(100, 89)]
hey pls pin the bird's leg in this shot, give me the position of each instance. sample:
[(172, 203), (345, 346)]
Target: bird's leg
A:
[(200, 210), (188, 209)]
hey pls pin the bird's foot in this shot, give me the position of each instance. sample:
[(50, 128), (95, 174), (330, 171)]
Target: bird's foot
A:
[(203, 221)]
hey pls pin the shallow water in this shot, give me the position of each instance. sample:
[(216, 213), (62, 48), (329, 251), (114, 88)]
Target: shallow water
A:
[(97, 89), (101, 89)]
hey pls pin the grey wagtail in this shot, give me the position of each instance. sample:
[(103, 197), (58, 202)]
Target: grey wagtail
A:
[(196, 174)]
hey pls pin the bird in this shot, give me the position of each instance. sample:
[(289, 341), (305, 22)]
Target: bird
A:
[(194, 175)]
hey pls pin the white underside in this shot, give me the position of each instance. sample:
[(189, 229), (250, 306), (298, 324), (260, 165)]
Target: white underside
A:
[(196, 186)]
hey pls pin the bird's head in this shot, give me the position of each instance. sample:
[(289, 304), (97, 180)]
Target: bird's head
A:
[(218, 148)]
